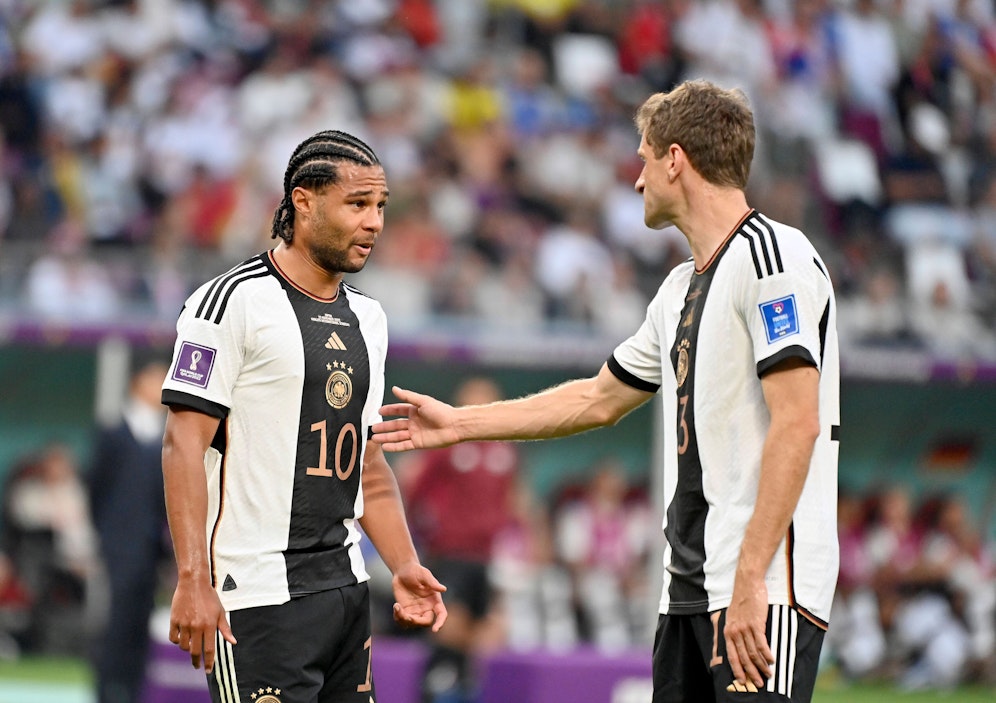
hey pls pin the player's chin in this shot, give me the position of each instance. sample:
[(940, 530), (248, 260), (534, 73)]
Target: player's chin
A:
[(654, 221), (355, 265)]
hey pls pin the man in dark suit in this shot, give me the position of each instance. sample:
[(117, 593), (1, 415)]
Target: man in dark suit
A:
[(128, 509)]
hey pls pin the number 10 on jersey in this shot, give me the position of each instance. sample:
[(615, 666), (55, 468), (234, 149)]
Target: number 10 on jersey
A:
[(348, 431)]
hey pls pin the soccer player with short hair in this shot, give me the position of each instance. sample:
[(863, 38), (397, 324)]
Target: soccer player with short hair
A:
[(276, 379), (741, 343)]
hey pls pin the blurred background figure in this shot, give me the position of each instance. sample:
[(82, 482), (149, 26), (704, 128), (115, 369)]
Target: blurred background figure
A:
[(604, 535), (129, 513), (49, 539), (534, 590), (458, 500), (856, 641)]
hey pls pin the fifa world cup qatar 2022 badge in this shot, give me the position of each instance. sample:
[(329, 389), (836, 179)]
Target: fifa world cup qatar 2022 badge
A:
[(194, 364), (339, 387)]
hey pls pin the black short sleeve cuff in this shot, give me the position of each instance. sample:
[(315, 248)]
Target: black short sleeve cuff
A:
[(629, 379), (793, 352), (171, 398)]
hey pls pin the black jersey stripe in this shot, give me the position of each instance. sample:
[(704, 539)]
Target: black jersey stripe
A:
[(774, 242), (211, 297), (753, 254), (221, 509), (354, 289), (221, 280), (820, 267), (763, 245), (790, 562), (824, 325), (228, 294)]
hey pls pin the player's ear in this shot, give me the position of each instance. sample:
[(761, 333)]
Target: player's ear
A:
[(303, 200)]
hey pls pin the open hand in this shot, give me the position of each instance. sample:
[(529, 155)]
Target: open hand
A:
[(424, 423), (419, 600)]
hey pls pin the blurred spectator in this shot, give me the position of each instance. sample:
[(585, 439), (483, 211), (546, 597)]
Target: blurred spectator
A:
[(867, 63), (617, 306), (66, 284), (942, 315), (458, 501), (15, 610), (499, 117), (856, 640), (534, 590), (955, 555), (570, 263), (877, 314), (50, 542), (129, 512), (893, 548), (724, 41), (603, 537)]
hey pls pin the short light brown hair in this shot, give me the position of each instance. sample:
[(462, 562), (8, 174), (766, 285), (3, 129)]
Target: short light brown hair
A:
[(714, 127)]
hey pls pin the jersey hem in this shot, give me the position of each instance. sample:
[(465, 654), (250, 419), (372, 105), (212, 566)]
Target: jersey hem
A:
[(715, 606), (260, 601)]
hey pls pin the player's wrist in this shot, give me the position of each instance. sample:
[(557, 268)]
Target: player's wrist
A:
[(192, 575)]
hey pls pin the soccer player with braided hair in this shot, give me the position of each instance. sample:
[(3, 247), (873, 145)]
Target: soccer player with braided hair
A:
[(277, 376)]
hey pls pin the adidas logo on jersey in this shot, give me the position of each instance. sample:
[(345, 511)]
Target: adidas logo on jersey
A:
[(335, 343), (229, 584)]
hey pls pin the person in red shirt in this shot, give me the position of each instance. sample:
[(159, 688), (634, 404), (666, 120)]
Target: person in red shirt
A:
[(459, 499)]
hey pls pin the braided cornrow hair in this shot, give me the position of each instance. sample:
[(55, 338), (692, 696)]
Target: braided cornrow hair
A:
[(313, 166)]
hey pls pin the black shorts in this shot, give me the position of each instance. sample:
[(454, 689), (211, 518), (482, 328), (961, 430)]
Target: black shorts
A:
[(690, 661), (466, 582), (312, 649)]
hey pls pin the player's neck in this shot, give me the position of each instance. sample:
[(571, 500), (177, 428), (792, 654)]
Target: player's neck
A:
[(710, 220), (304, 273)]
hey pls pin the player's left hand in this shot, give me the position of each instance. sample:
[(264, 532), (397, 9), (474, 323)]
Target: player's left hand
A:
[(419, 602), (746, 642)]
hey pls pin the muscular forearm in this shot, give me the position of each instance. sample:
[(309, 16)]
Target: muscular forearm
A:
[(567, 409), (185, 481), (383, 518), (186, 510)]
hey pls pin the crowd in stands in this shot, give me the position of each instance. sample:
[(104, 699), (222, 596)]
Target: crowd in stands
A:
[(916, 595), (143, 145)]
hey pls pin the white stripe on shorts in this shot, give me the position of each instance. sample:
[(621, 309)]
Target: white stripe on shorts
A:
[(784, 631), (224, 670)]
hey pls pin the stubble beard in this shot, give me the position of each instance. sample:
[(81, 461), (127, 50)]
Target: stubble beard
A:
[(324, 252), (336, 260)]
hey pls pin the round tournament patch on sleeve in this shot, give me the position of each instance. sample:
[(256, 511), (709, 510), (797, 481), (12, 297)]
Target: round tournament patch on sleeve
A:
[(780, 318)]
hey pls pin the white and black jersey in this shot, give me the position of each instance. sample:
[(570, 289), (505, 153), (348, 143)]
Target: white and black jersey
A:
[(708, 338), (297, 381)]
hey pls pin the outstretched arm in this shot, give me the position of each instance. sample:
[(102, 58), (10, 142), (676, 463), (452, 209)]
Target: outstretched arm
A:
[(570, 408), (196, 613), (416, 590)]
